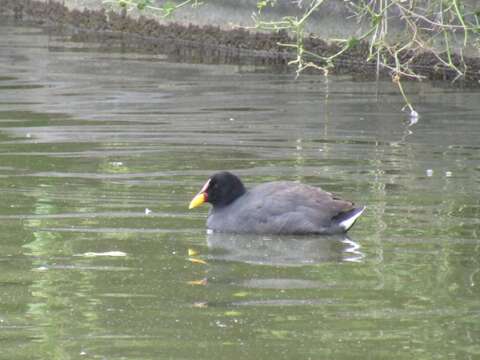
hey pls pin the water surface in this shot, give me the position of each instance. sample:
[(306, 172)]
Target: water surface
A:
[(100, 153)]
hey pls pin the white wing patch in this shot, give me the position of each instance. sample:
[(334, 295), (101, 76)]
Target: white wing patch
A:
[(348, 223)]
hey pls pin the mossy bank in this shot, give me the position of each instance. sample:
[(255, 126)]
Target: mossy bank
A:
[(205, 43)]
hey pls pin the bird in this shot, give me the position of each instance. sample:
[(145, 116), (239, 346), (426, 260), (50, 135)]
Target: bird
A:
[(279, 207)]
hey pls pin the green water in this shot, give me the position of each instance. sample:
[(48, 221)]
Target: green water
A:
[(89, 140)]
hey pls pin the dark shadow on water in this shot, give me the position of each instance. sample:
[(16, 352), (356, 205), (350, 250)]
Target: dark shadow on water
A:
[(283, 250)]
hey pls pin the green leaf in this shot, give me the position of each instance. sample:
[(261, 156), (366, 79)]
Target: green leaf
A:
[(352, 42), (168, 8), (261, 4), (142, 4), (376, 19)]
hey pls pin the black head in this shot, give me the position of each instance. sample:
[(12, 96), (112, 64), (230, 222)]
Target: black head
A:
[(220, 190), (224, 188)]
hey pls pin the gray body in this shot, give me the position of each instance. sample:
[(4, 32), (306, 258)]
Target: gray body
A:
[(284, 208)]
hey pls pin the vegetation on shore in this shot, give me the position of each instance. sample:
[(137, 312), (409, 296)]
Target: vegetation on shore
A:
[(442, 29)]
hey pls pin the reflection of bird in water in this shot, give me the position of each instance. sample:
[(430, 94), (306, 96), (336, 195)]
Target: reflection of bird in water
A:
[(280, 207), (283, 250)]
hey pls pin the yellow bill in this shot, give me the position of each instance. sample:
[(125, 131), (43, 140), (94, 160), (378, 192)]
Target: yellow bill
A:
[(198, 200)]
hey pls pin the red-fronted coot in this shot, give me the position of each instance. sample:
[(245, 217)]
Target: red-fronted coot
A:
[(280, 207)]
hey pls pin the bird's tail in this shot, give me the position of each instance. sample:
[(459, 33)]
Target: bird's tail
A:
[(346, 219)]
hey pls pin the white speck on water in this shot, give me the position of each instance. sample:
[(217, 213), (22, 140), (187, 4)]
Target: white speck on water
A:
[(413, 117), (220, 324), (231, 119), (107, 253), (83, 353), (148, 211), (299, 146), (28, 135), (448, 173), (116, 163), (41, 268), (429, 172)]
